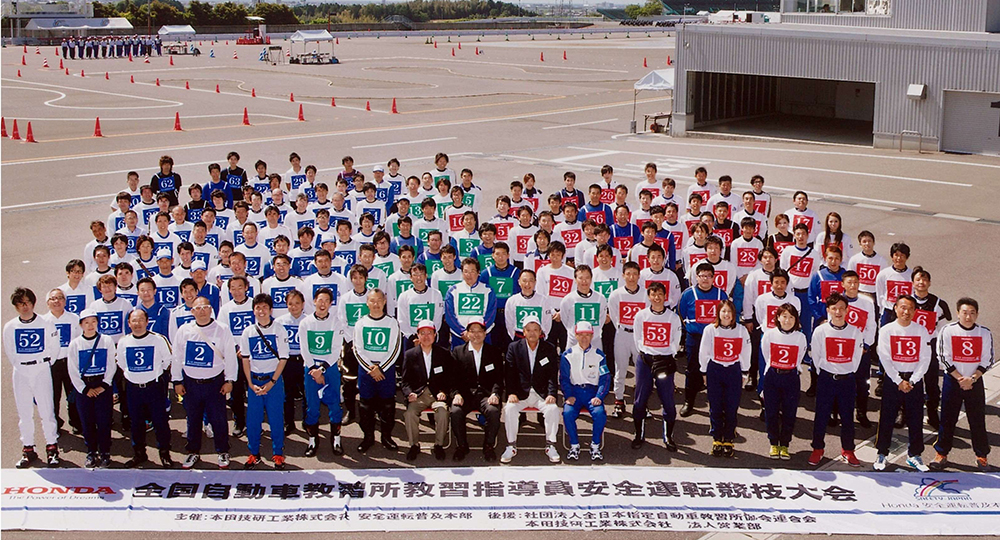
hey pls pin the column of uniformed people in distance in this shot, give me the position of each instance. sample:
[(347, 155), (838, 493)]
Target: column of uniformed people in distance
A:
[(244, 294)]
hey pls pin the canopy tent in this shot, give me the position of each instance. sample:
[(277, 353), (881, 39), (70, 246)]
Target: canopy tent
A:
[(176, 31), (304, 38), (656, 80)]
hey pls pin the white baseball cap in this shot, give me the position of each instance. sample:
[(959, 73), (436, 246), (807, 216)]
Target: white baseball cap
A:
[(531, 319), (475, 320), (198, 265), (164, 254), (426, 324), (584, 327), (378, 168), (87, 313)]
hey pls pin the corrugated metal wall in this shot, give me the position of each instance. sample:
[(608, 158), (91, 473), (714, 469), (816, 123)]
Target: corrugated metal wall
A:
[(892, 66), (957, 15)]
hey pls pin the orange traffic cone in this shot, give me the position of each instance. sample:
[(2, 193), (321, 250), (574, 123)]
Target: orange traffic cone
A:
[(459, 45), (253, 92), (19, 73), (644, 62), (187, 85), (60, 64), (25, 48), (669, 61), (106, 76), (57, 52), (23, 61), (38, 50), (541, 57), (217, 89), (157, 81), (14, 135), (394, 111), (333, 102), (246, 117), (129, 57), (81, 73), (453, 51), (337, 41), (131, 79), (477, 51), (291, 97), (3, 127), (435, 44), (67, 71), (171, 60), (564, 55), (29, 137), (146, 61), (302, 117), (234, 54), (97, 127), (368, 105), (45, 62), (177, 122)]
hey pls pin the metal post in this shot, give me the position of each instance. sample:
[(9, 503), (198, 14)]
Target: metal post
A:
[(635, 93)]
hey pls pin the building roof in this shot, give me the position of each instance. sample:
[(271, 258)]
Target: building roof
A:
[(935, 38), (113, 23)]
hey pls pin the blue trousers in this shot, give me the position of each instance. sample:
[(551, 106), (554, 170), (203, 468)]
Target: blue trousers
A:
[(781, 403), (806, 319), (693, 379), (644, 383), (272, 403), (833, 393), (205, 399), (912, 403), (583, 395), (146, 404), (95, 417), (330, 397), (724, 386)]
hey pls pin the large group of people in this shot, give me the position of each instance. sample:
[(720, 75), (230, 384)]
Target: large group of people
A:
[(95, 47), (261, 290)]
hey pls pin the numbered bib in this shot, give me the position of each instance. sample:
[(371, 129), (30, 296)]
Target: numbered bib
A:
[(421, 312), (29, 340), (471, 304), (109, 322), (523, 312), (198, 354), (784, 356), (627, 312), (375, 339), (139, 359), (839, 350), (867, 273), (905, 349), (588, 311), (704, 311), (355, 312), (656, 334), (857, 317), (967, 349), (259, 349), (503, 287), (727, 350), (560, 286)]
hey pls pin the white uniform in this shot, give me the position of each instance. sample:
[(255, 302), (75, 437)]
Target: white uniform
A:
[(890, 284), (760, 220), (337, 284), (623, 306), (68, 326), (669, 281), (904, 349), (725, 274), (965, 350), (236, 317), (734, 201), (766, 307), (745, 255), (321, 340), (861, 314), (278, 290), (399, 283), (756, 284), (868, 268), (179, 316), (414, 306), (519, 307), (143, 360), (112, 317), (591, 307), (725, 346), (801, 264), (782, 350), (253, 289), (837, 350), (806, 216), (606, 281), (353, 307), (89, 358), (252, 346), (30, 347), (706, 192), (204, 352), (377, 342)]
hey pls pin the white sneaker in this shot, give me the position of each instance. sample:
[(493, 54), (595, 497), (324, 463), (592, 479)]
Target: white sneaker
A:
[(209, 432), (190, 461), (552, 454), (595, 453), (574, 452), (880, 463), (223, 460), (917, 463), (508, 454)]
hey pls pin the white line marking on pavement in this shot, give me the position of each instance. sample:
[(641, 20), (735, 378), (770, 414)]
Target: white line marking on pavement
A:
[(792, 150), (403, 142), (803, 168), (271, 140), (874, 207), (958, 218), (106, 119), (548, 66), (581, 124), (168, 103), (585, 156)]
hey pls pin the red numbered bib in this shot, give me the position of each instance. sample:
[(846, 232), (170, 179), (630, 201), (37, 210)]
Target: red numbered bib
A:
[(522, 244), (596, 217), (656, 334), (721, 279), (857, 317), (801, 267), (780, 246), (839, 350), (503, 230), (867, 273), (539, 263), (967, 349), (763, 287), (725, 234), (826, 288), (746, 257), (927, 319), (560, 286), (808, 220), (760, 206), (705, 196), (643, 262), (572, 237), (695, 257), (772, 312), (905, 349), (623, 244), (784, 356), (727, 350), (895, 289), (455, 222), (704, 311), (607, 195), (627, 311)]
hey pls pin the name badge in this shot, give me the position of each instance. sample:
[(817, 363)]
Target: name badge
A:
[(438, 369), (488, 368), (543, 362)]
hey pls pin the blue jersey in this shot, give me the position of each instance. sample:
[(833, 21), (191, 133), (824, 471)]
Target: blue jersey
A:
[(824, 283), (222, 186), (503, 282), (699, 308), (159, 317), (400, 241)]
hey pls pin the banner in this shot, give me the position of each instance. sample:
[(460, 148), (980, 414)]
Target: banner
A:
[(503, 498)]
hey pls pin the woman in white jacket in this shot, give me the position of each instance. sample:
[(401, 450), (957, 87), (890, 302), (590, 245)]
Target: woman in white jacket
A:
[(725, 360)]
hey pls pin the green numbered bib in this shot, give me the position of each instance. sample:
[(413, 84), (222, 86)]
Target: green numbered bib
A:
[(443, 287), (355, 312), (371, 283), (468, 199), (423, 234), (421, 312), (503, 287), (522, 312), (320, 343), (375, 339), (402, 286), (416, 211), (466, 245), (433, 265), (471, 304), (441, 210), (587, 312), (389, 268), (605, 287), (486, 261)]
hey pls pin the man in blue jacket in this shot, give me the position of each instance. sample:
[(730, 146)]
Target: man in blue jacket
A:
[(585, 380)]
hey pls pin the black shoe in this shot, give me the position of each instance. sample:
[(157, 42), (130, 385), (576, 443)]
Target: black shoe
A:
[(104, 463), (165, 460), (338, 448), (668, 437), (52, 457), (412, 453), (637, 443), (310, 450), (878, 388), (863, 421), (92, 461), (389, 444), (439, 452), (28, 456), (365, 445), (489, 454), (289, 428), (137, 460), (686, 410), (126, 424), (460, 453), (811, 392)]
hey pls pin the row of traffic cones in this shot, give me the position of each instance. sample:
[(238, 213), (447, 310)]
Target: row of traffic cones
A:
[(14, 134)]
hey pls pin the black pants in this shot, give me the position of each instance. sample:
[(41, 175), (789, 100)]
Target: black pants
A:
[(120, 387), (146, 403), (238, 399), (834, 393), (608, 346), (912, 403), (204, 398), (350, 380), (861, 377), (386, 410), (557, 336), (932, 382), (95, 414), (499, 337), (458, 427), (61, 382), (293, 375), (974, 399)]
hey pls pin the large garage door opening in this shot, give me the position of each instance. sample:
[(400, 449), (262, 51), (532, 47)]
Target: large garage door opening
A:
[(783, 107)]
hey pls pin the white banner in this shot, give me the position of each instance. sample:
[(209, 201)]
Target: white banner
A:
[(503, 498)]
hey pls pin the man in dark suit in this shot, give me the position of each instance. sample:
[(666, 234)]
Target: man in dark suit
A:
[(531, 372), (479, 386), (428, 370)]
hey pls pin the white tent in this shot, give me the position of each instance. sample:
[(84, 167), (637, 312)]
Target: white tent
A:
[(305, 36), (656, 80), (179, 31), (317, 37)]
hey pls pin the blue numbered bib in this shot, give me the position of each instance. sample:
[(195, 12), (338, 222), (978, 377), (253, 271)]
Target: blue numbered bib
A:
[(382, 194), (201, 256), (311, 223), (184, 235), (139, 359), (149, 213), (184, 319), (198, 354), (119, 222), (130, 245), (110, 322), (310, 193), (235, 181), (222, 222), (167, 296), (253, 266), (65, 331), (302, 266), (157, 246), (350, 256), (93, 364), (29, 340), (194, 214), (167, 183), (280, 296), (239, 320), (213, 239), (297, 180), (269, 244), (76, 303), (259, 350), (331, 286), (135, 200), (293, 336)]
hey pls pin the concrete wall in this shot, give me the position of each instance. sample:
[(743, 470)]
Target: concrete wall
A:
[(957, 15), (890, 61)]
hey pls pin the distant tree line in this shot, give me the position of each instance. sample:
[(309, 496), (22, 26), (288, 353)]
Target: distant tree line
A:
[(161, 12), (652, 8)]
